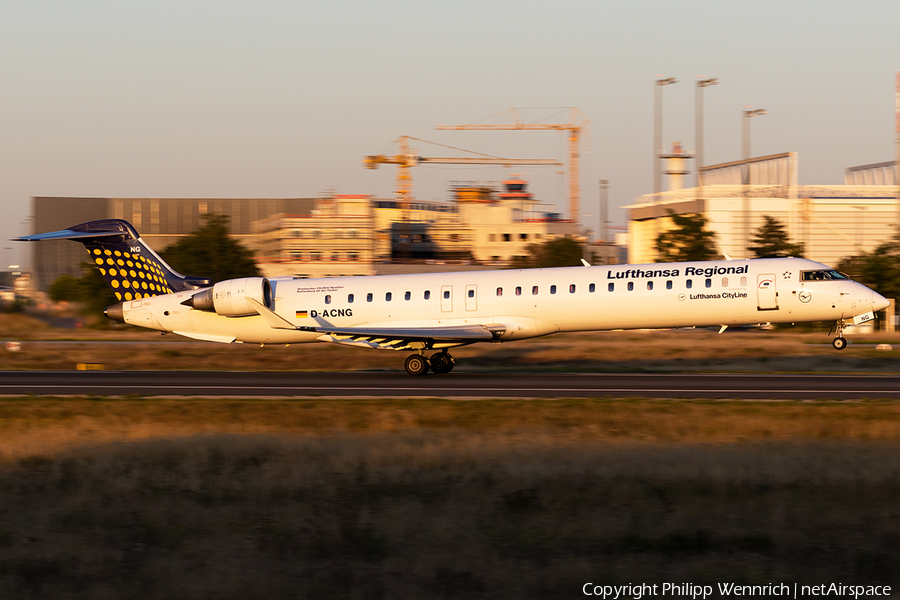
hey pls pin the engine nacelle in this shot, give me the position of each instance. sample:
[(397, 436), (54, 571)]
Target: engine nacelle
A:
[(230, 298)]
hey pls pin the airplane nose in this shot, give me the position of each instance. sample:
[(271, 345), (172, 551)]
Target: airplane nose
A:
[(879, 302)]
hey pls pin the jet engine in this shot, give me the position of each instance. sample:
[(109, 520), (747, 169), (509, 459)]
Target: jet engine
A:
[(230, 298)]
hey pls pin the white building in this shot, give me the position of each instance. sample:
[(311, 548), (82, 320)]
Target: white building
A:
[(831, 221)]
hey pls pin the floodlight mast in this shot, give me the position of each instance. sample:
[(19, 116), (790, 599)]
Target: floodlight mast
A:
[(748, 114), (657, 148)]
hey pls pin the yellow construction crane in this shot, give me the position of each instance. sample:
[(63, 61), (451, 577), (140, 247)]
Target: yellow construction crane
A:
[(407, 159), (573, 127)]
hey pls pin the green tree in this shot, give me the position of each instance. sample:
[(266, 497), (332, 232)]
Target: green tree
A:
[(561, 252), (771, 241), (65, 288), (211, 252), (688, 241), (91, 289), (879, 269)]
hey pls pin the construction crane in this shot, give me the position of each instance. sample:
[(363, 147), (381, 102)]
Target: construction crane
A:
[(407, 159), (573, 127)]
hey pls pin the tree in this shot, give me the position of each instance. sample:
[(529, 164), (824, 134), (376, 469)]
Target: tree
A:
[(688, 241), (771, 241), (210, 252), (561, 252), (65, 288), (90, 289), (879, 269)]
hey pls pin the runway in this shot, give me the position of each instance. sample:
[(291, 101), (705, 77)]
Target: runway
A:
[(454, 385)]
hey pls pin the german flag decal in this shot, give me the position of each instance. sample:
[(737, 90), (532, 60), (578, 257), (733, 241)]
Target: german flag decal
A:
[(302, 314)]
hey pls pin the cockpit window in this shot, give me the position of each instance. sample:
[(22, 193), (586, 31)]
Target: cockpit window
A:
[(822, 275)]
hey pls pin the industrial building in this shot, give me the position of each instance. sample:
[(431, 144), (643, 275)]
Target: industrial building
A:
[(831, 221), (335, 235), (160, 221), (333, 238)]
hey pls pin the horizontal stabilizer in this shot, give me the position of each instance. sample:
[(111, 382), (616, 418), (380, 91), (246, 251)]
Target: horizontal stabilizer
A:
[(65, 234)]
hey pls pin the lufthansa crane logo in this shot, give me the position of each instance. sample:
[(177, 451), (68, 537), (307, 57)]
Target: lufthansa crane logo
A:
[(805, 296)]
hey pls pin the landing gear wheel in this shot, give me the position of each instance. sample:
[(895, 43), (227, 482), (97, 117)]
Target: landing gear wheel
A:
[(442, 363), (416, 364), (839, 343)]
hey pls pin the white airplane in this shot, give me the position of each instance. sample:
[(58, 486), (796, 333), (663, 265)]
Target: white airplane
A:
[(430, 313)]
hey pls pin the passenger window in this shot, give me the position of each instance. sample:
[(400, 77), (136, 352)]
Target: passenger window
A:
[(328, 299), (649, 285), (572, 288), (518, 290), (369, 297), (612, 287), (708, 282), (669, 285), (446, 294), (499, 291), (592, 288), (724, 282), (349, 298), (743, 282), (630, 286), (471, 293), (387, 297), (407, 296), (552, 289), (428, 294), (534, 291), (689, 283)]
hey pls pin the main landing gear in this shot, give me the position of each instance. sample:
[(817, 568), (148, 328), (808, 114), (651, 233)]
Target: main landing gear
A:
[(839, 342), (440, 363)]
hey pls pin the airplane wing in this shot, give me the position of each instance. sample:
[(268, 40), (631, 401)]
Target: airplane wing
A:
[(405, 338), (392, 338)]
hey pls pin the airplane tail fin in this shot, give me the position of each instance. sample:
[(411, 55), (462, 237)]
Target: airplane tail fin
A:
[(128, 264)]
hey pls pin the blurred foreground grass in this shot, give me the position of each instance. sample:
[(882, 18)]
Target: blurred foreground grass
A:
[(158, 498), (673, 350)]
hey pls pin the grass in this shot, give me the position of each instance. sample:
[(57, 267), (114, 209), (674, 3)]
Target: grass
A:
[(42, 426), (660, 351), (441, 514), (421, 498)]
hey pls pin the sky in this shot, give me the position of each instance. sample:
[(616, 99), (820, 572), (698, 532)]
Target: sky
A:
[(283, 99)]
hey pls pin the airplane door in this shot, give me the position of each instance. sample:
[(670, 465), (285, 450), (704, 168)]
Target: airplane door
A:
[(471, 296), (766, 296), (447, 298)]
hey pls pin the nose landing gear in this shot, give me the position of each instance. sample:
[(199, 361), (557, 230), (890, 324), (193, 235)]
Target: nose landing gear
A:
[(839, 342)]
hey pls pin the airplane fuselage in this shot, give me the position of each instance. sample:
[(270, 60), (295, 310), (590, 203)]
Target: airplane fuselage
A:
[(530, 302)]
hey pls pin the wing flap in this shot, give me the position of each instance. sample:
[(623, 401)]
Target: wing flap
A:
[(408, 338), (475, 333)]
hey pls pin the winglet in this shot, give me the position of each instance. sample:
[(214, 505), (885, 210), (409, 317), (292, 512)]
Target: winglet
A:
[(585, 263)]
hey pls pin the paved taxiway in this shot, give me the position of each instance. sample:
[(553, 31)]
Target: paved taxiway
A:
[(496, 385)]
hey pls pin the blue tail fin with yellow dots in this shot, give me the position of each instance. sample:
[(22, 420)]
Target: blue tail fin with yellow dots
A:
[(129, 265)]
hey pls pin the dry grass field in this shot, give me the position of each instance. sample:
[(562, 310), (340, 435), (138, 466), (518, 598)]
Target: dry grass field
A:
[(677, 350), (431, 498), (153, 498)]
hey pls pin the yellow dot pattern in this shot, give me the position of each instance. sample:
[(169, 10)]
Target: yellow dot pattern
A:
[(132, 276)]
